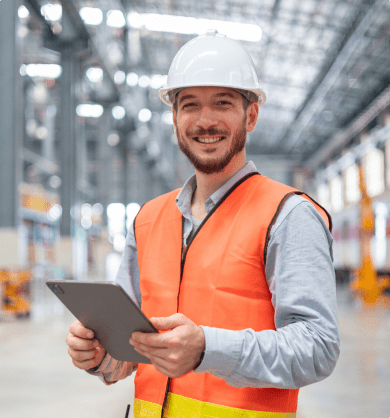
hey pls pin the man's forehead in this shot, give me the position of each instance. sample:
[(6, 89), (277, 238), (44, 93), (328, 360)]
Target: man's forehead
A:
[(210, 91)]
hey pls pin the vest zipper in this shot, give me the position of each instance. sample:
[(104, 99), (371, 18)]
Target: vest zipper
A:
[(184, 253), (181, 276)]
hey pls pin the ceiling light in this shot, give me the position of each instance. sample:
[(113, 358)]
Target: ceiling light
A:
[(52, 12), (118, 112), (43, 70), (113, 139), (23, 12), (144, 115), (135, 20), (132, 79), (156, 81), (144, 81), (115, 19), (119, 77), (190, 25), (89, 110), (91, 15), (167, 118), (97, 209), (94, 74)]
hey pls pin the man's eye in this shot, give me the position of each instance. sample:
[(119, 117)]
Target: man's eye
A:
[(223, 102), (188, 105)]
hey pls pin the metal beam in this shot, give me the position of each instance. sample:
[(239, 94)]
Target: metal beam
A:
[(341, 139), (369, 13), (42, 163)]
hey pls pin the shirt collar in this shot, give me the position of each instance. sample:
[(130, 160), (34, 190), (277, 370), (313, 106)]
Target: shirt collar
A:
[(183, 199)]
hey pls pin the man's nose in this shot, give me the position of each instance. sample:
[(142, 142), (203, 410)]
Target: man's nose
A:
[(206, 118)]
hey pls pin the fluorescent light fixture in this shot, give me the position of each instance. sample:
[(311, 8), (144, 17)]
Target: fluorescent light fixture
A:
[(135, 20), (89, 110), (144, 115), (42, 70), (118, 112), (115, 19), (119, 77), (132, 79), (91, 15), (144, 81), (52, 12), (23, 12), (94, 74), (190, 25)]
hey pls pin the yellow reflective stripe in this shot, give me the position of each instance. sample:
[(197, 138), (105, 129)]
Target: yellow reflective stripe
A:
[(181, 407), (146, 409)]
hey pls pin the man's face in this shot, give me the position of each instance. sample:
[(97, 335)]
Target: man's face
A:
[(211, 126)]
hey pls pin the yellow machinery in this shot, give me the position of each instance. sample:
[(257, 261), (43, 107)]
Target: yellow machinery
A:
[(366, 283), (15, 286)]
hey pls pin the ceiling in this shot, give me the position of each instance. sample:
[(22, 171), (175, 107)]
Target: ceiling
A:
[(320, 62)]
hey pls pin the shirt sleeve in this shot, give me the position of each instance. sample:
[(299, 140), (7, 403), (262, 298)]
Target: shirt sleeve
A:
[(305, 346), (111, 370)]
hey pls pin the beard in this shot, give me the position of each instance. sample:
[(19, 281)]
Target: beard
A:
[(213, 165)]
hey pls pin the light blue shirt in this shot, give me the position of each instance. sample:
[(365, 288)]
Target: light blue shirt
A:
[(305, 346)]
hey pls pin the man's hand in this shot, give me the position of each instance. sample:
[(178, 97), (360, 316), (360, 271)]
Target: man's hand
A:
[(175, 352), (85, 351)]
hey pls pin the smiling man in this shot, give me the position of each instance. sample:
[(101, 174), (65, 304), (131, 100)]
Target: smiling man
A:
[(235, 268)]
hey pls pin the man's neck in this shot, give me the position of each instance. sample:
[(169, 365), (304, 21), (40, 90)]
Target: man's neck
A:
[(207, 184)]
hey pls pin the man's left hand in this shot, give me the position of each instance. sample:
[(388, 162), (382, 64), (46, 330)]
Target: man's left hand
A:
[(174, 352)]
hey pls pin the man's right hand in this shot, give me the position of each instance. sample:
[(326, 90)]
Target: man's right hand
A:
[(85, 351)]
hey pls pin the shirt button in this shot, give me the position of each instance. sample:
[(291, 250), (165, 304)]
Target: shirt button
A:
[(185, 235)]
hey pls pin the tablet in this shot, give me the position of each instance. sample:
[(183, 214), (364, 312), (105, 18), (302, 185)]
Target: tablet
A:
[(107, 310)]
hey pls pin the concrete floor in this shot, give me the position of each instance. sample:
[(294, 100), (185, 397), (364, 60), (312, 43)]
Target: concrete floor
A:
[(38, 379)]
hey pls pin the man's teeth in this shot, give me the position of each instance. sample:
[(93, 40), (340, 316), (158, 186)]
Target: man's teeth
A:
[(208, 140)]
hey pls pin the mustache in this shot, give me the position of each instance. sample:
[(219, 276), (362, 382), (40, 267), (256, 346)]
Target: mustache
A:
[(211, 131)]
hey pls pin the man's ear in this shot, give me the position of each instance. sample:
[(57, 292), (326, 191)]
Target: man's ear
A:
[(252, 113)]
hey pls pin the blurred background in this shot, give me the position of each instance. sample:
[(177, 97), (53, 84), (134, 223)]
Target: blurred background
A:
[(85, 141)]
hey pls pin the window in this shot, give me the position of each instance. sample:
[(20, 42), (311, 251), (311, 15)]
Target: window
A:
[(323, 195), (351, 178), (336, 194), (375, 172)]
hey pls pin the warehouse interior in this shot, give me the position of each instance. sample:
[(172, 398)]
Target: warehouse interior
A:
[(85, 141)]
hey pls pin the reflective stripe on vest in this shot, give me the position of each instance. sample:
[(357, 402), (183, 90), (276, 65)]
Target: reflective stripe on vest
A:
[(180, 407), (220, 283)]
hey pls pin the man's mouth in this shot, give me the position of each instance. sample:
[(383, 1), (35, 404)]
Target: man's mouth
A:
[(209, 139)]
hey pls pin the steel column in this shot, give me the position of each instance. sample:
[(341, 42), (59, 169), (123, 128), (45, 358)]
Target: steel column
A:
[(68, 141), (11, 116)]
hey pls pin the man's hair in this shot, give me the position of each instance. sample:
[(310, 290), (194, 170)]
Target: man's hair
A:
[(247, 99)]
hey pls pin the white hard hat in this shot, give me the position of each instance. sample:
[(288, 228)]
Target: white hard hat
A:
[(212, 60)]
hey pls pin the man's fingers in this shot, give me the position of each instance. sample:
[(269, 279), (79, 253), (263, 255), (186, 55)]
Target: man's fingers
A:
[(151, 340), (81, 344), (85, 365), (166, 323), (82, 355), (78, 329), (150, 352)]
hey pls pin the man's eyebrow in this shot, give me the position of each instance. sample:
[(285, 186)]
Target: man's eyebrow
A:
[(187, 96), (228, 94)]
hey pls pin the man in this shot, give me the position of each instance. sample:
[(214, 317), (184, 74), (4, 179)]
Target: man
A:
[(234, 267)]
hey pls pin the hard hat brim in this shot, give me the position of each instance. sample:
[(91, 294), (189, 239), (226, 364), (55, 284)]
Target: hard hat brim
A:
[(164, 92)]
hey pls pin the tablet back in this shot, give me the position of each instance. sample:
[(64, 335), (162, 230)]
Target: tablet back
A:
[(107, 310)]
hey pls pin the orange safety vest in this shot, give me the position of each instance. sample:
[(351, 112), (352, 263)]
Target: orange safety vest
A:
[(219, 282)]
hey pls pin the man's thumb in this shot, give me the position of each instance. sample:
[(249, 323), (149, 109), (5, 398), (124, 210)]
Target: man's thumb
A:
[(167, 323)]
